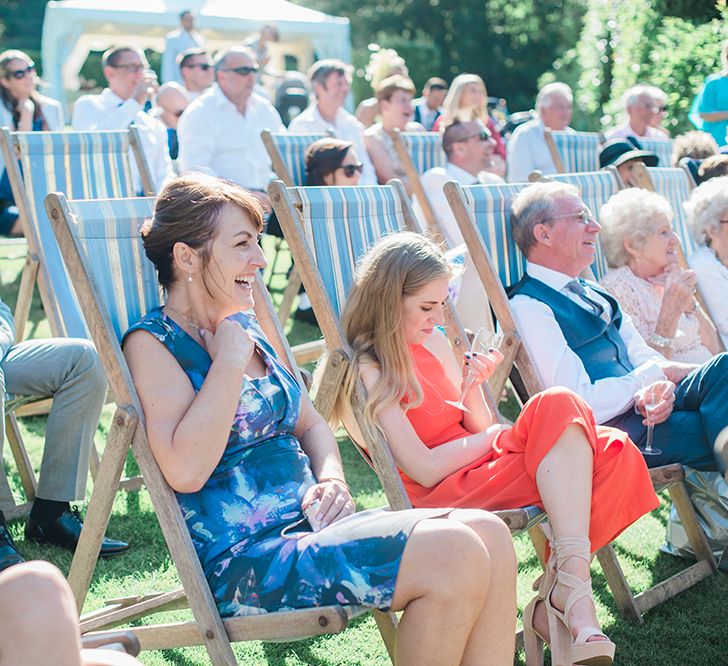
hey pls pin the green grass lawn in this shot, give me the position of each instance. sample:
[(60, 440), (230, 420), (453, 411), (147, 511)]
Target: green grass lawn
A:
[(687, 631)]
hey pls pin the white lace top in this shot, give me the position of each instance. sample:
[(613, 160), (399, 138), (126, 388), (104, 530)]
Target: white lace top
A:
[(642, 300)]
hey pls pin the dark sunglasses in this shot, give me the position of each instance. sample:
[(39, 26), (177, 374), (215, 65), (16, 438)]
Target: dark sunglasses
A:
[(350, 169), (483, 135), (204, 66), (21, 73), (243, 71)]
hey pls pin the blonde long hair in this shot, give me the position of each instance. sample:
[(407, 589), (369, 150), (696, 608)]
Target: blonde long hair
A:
[(398, 265), (452, 102)]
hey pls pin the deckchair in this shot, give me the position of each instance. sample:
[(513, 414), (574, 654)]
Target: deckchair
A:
[(573, 151), (419, 152), (86, 165), (483, 215), (287, 153), (661, 147), (328, 229), (95, 236)]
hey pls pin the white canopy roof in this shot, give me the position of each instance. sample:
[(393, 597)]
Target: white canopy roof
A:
[(72, 28)]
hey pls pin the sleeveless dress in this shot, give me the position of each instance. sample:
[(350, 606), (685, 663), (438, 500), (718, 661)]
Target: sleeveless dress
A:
[(505, 477), (255, 546)]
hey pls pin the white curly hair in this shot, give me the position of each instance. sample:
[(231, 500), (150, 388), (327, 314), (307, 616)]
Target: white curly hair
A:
[(708, 203)]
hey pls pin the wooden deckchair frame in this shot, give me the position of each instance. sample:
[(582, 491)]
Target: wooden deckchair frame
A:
[(287, 202), (294, 279), (668, 476), (34, 274), (413, 175), (127, 430)]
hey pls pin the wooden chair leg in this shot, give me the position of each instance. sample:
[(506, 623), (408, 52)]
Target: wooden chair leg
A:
[(120, 437), (689, 519), (116, 614), (538, 539), (387, 623), (20, 454), (618, 584), (25, 296), (289, 295)]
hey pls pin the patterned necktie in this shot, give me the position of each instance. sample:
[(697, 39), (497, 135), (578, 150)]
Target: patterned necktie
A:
[(576, 287)]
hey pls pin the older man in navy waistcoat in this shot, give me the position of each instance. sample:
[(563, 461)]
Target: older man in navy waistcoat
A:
[(578, 337)]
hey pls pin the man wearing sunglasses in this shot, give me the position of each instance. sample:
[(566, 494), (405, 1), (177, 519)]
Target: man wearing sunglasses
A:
[(578, 337), (132, 86), (197, 71), (468, 148), (219, 132), (177, 41), (639, 108)]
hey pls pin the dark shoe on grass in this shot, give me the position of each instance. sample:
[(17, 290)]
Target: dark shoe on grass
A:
[(65, 532), (9, 554)]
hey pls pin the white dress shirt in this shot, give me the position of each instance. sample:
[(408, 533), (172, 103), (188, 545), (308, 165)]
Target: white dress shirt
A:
[(176, 42), (557, 365), (345, 127), (52, 112), (527, 152), (432, 182), (107, 111), (215, 138), (713, 283), (428, 116), (627, 130)]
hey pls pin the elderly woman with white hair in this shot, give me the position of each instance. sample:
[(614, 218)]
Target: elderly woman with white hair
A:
[(707, 211), (644, 275)]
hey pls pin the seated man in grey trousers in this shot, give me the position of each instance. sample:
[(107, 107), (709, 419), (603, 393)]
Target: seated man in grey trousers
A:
[(69, 371)]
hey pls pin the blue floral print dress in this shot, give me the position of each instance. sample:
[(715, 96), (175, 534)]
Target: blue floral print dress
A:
[(243, 522)]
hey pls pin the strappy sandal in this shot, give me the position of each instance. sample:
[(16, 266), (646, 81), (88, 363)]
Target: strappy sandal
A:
[(566, 650)]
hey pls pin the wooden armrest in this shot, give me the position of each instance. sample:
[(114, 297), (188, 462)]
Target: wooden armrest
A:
[(667, 475), (121, 641)]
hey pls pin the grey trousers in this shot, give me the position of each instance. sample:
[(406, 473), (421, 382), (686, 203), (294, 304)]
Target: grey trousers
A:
[(69, 371)]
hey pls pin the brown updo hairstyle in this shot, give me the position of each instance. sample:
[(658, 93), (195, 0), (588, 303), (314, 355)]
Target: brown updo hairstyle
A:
[(187, 211), (323, 157)]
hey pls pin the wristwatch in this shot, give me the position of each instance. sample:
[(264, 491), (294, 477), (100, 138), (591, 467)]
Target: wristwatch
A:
[(662, 341)]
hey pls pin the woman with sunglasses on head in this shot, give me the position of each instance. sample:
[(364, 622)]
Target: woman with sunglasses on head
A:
[(23, 109), (395, 96), (332, 162)]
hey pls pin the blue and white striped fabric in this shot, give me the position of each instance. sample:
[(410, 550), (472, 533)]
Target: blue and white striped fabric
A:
[(424, 149), (579, 151), (341, 224), (125, 280), (82, 165), (291, 149), (490, 208), (673, 184), (596, 188), (661, 147)]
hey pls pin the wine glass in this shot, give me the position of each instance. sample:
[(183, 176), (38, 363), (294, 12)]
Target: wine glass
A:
[(482, 341), (651, 398)]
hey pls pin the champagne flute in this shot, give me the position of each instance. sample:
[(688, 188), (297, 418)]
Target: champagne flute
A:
[(651, 399), (482, 341)]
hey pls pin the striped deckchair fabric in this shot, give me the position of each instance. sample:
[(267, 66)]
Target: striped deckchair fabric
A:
[(577, 151), (340, 224), (490, 208), (596, 188), (81, 164), (287, 152), (674, 184), (108, 232), (424, 149), (661, 147)]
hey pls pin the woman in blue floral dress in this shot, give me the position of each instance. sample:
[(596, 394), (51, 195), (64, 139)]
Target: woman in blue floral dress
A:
[(247, 454)]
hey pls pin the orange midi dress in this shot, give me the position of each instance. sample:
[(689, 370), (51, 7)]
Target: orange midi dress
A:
[(505, 477)]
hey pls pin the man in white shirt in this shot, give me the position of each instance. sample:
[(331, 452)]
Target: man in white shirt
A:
[(428, 108), (186, 37), (197, 71), (527, 150), (469, 148), (578, 337), (639, 107), (132, 85), (331, 82), (219, 133)]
